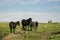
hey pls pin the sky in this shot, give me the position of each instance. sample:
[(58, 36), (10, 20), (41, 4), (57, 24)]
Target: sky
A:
[(38, 10)]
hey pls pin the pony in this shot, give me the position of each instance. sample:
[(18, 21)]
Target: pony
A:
[(33, 25), (12, 26), (25, 23)]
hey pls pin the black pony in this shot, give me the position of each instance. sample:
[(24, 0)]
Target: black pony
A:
[(33, 25), (12, 26), (26, 23)]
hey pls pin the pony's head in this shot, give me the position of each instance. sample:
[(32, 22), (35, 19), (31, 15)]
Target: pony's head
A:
[(18, 23), (29, 20)]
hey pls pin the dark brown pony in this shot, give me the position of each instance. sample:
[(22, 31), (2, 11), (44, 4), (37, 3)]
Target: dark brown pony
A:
[(12, 26), (25, 23)]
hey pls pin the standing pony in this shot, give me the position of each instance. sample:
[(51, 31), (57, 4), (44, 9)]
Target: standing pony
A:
[(26, 23), (12, 26), (33, 25)]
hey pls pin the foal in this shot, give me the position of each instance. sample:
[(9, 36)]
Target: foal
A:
[(12, 26)]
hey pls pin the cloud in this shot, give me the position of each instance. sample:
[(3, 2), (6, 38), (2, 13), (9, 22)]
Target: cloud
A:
[(53, 0), (55, 7), (54, 3), (14, 16), (21, 2), (36, 16)]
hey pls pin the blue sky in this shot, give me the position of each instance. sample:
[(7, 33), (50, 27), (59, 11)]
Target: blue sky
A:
[(38, 10)]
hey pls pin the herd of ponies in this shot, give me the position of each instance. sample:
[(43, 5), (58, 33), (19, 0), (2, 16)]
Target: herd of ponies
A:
[(25, 22)]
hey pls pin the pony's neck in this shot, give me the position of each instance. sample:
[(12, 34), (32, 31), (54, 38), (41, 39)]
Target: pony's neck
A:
[(16, 23)]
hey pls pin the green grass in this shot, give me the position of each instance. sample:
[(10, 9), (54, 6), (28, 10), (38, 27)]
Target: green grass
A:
[(4, 29), (42, 32)]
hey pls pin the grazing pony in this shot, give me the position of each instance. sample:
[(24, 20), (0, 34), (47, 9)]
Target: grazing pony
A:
[(25, 23), (12, 26), (33, 25)]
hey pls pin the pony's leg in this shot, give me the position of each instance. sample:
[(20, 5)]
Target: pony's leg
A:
[(10, 29), (13, 30), (35, 28), (30, 28), (23, 27)]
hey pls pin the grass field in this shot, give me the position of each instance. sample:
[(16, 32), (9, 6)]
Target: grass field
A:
[(43, 32)]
